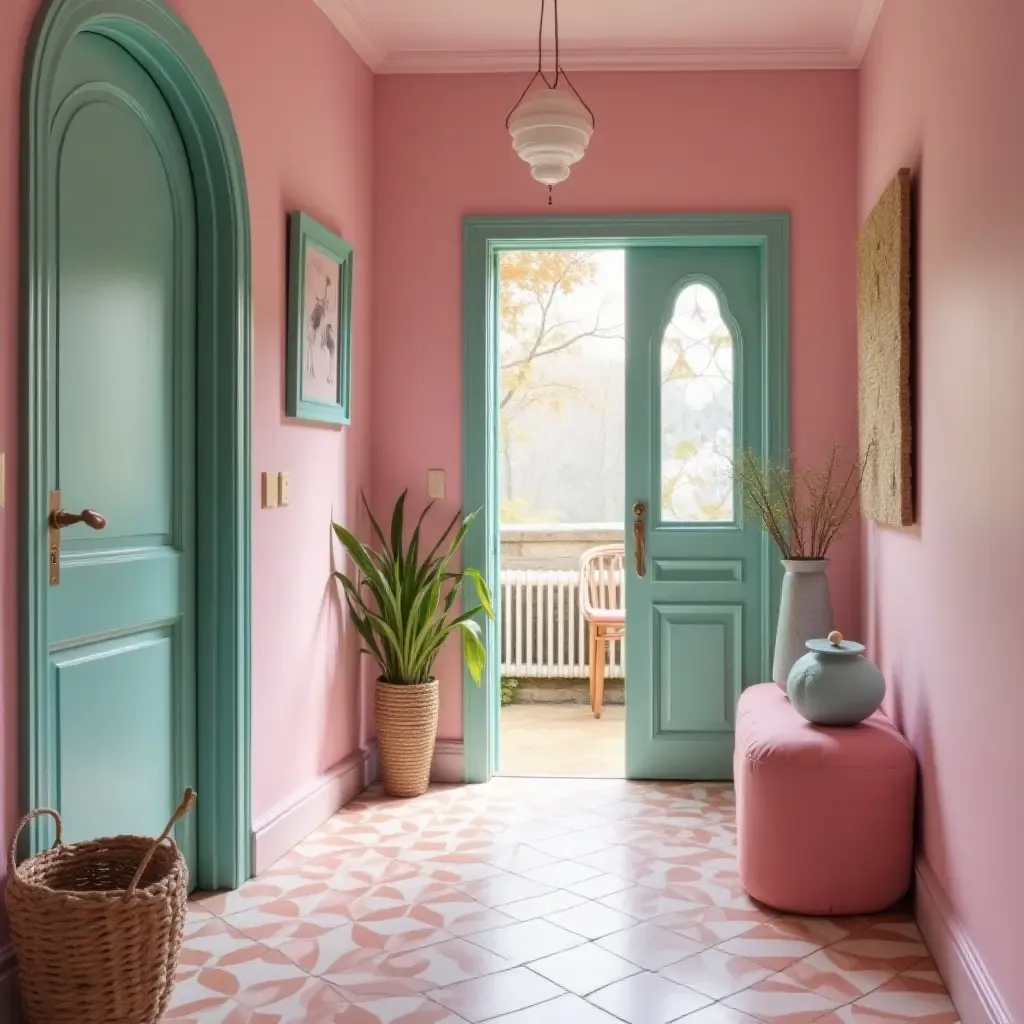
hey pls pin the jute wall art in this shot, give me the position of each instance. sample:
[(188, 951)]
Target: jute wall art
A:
[(883, 322)]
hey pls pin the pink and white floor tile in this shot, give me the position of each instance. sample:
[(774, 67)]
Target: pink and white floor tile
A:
[(528, 901)]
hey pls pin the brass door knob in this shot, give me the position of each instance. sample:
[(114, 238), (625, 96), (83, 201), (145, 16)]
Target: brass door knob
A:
[(59, 519), (639, 538)]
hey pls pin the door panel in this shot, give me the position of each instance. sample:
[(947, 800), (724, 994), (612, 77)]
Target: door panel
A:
[(122, 619), (694, 381), (125, 688)]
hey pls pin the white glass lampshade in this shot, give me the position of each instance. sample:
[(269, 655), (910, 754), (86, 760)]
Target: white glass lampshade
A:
[(550, 130)]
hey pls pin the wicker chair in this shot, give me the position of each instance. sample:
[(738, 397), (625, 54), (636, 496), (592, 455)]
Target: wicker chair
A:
[(603, 604)]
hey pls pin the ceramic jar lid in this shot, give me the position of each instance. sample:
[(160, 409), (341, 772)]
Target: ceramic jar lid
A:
[(835, 644)]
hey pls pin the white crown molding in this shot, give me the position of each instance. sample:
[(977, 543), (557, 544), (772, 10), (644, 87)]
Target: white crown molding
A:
[(661, 59), (343, 15), (346, 18), (864, 28)]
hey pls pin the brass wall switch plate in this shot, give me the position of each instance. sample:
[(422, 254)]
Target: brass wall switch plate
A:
[(270, 490)]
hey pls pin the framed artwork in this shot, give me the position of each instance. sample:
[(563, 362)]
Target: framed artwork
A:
[(319, 356), (884, 261)]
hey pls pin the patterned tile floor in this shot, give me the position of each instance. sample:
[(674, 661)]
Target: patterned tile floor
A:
[(538, 901)]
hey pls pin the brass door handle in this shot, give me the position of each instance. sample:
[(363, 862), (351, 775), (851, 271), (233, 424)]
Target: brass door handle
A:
[(640, 537), (59, 519)]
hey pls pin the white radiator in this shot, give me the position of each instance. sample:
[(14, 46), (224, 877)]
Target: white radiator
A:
[(543, 635)]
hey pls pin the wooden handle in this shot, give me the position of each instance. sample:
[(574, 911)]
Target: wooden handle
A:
[(640, 538), (183, 808)]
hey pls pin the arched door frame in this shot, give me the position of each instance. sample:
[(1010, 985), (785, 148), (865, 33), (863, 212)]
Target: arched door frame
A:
[(158, 39)]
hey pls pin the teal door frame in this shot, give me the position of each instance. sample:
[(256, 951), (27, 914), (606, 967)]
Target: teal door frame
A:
[(483, 240), (155, 36)]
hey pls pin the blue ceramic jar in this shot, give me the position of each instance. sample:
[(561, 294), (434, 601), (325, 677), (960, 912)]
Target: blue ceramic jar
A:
[(834, 684)]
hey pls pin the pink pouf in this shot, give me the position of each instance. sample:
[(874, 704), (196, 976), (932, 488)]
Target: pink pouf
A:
[(825, 815)]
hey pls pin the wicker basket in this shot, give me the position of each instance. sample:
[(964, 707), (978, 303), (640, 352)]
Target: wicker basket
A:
[(406, 728), (97, 926)]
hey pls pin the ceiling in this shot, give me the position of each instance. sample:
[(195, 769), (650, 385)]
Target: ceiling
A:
[(403, 36)]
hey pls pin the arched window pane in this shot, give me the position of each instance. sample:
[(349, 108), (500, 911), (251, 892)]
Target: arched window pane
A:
[(697, 416)]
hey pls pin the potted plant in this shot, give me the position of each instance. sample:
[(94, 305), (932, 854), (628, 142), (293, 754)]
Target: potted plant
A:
[(405, 605), (803, 512)]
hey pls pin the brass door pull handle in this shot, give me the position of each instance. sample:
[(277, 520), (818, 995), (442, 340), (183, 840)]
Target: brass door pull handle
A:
[(640, 537), (59, 519)]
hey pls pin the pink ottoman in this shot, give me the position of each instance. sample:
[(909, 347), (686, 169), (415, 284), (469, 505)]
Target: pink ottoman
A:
[(825, 816)]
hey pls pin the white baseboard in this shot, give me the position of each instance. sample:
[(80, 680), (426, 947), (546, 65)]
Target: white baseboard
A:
[(449, 764), (970, 985), (10, 1001), (287, 824)]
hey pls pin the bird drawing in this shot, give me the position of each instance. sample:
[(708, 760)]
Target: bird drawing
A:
[(316, 318), (327, 342)]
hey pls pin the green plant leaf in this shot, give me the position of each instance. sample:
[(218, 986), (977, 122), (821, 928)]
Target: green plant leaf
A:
[(444, 536), (456, 542), (473, 649), (467, 616), (373, 522), (397, 526), (377, 577), (483, 595), (400, 603), (355, 551), (414, 542), (357, 612)]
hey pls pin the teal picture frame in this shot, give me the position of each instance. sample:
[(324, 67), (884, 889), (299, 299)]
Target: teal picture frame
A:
[(318, 379)]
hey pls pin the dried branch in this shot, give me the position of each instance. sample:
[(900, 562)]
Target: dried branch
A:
[(802, 512)]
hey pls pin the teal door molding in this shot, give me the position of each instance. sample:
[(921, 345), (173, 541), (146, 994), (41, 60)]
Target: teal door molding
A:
[(484, 238), (153, 35)]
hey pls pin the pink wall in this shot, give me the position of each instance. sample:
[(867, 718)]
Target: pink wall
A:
[(664, 142), (940, 92), (275, 60)]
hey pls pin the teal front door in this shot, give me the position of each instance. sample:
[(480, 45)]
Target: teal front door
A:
[(696, 588), (121, 445)]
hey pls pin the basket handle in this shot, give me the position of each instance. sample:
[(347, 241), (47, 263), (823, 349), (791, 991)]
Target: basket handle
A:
[(183, 808), (12, 853)]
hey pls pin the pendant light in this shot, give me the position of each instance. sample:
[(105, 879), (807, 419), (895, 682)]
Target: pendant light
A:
[(551, 126)]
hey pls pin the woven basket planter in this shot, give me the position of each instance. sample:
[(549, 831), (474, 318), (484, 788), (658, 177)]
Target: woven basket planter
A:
[(406, 729), (97, 926)]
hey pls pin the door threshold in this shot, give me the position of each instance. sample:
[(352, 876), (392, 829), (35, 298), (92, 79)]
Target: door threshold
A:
[(555, 775)]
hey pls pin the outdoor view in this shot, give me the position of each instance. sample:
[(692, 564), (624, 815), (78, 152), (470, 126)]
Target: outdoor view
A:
[(562, 358)]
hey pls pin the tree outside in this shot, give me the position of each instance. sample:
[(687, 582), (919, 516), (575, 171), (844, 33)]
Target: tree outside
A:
[(561, 388), (562, 394)]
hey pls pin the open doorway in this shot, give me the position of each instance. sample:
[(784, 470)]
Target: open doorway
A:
[(704, 370), (561, 488)]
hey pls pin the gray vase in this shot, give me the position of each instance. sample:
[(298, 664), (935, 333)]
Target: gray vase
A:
[(805, 612), (834, 684)]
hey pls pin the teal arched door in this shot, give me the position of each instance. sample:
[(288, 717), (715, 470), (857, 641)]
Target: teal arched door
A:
[(137, 369), (122, 602)]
